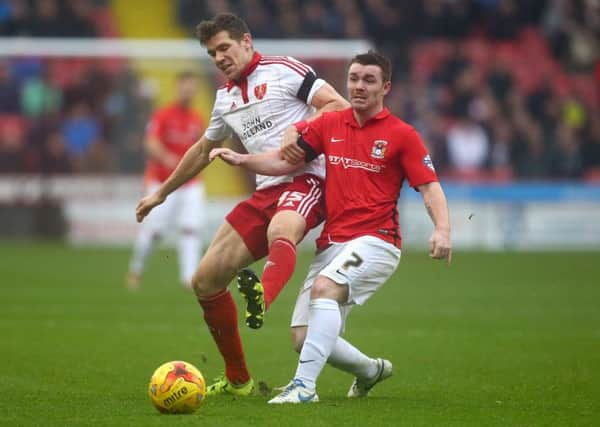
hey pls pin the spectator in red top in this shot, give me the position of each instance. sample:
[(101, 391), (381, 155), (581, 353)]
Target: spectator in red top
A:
[(369, 153), (171, 131)]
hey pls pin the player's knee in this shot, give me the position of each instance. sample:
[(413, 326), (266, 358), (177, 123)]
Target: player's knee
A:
[(321, 289), (207, 280), (290, 230)]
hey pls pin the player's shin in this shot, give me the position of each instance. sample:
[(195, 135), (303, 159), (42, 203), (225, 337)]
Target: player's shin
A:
[(220, 314), (279, 267), (324, 322)]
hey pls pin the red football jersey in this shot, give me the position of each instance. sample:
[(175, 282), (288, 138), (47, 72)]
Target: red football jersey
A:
[(365, 170), (177, 129)]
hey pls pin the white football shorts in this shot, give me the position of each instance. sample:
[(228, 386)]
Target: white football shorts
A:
[(363, 264), (183, 209)]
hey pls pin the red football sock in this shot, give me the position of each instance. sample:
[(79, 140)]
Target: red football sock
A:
[(220, 314), (278, 268)]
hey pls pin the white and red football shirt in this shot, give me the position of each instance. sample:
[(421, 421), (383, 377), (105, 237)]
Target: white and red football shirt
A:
[(272, 93), (177, 129), (365, 170)]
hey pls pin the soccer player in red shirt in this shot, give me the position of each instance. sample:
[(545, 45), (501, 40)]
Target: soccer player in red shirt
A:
[(172, 130), (369, 153), (264, 96)]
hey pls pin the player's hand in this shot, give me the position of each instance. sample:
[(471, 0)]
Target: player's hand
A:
[(440, 246), (227, 155), (289, 150), (146, 205)]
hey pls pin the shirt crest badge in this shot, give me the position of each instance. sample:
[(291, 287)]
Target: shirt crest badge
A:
[(379, 147), (260, 90)]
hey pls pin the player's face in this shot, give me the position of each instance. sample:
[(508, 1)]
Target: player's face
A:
[(229, 55), (366, 87), (186, 90)]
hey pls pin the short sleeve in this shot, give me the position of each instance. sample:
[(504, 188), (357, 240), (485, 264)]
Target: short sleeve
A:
[(416, 161), (299, 79), (217, 129)]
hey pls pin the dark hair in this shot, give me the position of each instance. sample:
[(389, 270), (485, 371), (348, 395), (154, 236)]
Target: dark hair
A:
[(229, 22), (375, 58)]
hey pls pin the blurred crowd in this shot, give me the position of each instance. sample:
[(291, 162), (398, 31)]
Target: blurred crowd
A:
[(500, 89), (52, 18)]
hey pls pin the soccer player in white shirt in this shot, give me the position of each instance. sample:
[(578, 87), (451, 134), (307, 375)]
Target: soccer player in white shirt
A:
[(264, 97)]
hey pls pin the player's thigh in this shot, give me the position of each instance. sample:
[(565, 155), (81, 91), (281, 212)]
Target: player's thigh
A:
[(300, 208), (225, 256), (191, 207), (363, 264)]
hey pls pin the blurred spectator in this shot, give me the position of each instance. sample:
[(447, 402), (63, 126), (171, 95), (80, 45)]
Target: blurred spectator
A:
[(12, 147), (16, 20), (591, 147), (258, 17), (502, 141), (433, 18), (78, 19), (54, 157), (80, 130), (351, 19), (9, 92), (289, 21), (504, 23), (319, 21), (468, 145), (38, 97), (46, 20), (501, 82), (528, 152), (99, 158), (565, 159)]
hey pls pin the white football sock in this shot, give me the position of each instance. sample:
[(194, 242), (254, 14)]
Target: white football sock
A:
[(142, 248), (348, 358), (189, 245), (324, 322)]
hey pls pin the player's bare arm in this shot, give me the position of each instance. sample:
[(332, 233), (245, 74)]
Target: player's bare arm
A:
[(269, 163), (192, 163), (156, 151), (440, 246), (325, 99)]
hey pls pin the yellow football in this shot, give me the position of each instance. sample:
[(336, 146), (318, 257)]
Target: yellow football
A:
[(177, 388)]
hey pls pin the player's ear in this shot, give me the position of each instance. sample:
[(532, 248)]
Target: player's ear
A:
[(387, 86), (247, 40)]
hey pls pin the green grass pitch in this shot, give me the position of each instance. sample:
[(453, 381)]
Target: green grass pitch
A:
[(497, 339)]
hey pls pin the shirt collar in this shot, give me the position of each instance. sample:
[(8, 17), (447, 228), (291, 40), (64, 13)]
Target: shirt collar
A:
[(351, 120), (246, 71)]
